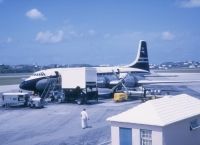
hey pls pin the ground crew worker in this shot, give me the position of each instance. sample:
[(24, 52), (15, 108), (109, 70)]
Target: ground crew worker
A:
[(84, 119)]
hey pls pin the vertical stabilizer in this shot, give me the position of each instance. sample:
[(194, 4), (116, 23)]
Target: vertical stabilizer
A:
[(141, 61)]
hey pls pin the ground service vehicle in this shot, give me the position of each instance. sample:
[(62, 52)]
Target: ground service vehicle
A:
[(79, 84), (36, 102), (15, 99), (120, 96)]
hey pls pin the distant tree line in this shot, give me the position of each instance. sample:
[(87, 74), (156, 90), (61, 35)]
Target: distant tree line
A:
[(33, 68), (17, 69)]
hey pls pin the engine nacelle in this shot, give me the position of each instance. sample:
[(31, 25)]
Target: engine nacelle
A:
[(44, 83)]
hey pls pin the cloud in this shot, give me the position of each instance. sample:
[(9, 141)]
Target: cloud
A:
[(107, 35), (35, 14), (91, 32), (6, 40), (9, 40), (49, 37), (190, 3), (167, 35), (73, 34)]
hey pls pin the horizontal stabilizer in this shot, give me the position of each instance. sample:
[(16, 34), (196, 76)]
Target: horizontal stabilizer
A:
[(149, 82)]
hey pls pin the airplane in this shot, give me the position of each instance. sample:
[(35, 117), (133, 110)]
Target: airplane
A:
[(38, 80), (132, 75)]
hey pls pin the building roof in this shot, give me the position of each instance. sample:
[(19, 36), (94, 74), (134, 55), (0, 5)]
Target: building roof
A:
[(161, 112)]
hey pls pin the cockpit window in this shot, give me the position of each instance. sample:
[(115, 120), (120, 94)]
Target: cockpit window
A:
[(43, 74), (39, 74)]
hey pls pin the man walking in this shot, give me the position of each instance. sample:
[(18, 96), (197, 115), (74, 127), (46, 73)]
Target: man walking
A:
[(84, 119)]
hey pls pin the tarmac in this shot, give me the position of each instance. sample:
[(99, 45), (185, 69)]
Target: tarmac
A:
[(60, 124), (8, 88)]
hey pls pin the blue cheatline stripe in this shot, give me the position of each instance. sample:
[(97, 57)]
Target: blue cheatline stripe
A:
[(143, 59), (142, 62)]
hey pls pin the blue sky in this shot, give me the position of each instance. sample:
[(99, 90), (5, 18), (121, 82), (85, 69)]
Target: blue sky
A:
[(98, 31)]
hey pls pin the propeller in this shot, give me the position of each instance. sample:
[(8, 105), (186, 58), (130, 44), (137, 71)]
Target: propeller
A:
[(121, 81), (134, 81)]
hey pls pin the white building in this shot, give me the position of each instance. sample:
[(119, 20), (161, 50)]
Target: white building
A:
[(171, 120)]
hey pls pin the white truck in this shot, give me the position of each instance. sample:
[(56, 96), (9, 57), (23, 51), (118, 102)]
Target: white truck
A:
[(15, 99), (79, 84), (36, 102)]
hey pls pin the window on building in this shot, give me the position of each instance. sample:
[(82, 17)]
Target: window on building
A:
[(145, 137), (14, 99), (125, 136), (194, 124)]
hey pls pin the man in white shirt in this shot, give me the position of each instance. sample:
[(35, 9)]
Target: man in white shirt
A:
[(84, 119)]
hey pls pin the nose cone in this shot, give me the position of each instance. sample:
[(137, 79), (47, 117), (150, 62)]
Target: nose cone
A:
[(22, 85), (27, 85)]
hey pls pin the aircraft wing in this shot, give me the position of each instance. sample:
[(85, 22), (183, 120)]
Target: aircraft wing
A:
[(155, 75), (148, 82), (104, 70)]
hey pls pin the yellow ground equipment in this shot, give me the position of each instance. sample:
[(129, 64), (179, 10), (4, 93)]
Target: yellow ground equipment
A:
[(119, 97)]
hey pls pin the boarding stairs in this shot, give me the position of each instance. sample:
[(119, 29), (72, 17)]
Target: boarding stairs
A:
[(52, 85)]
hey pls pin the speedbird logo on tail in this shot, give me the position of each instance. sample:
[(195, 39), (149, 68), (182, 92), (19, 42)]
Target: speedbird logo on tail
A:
[(141, 61)]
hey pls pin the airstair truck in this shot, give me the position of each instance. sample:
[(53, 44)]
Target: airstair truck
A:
[(79, 84)]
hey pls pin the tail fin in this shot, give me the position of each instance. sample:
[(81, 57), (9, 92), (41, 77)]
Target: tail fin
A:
[(141, 61)]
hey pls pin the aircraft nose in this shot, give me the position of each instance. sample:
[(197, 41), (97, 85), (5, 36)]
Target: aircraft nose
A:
[(26, 85), (22, 85)]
